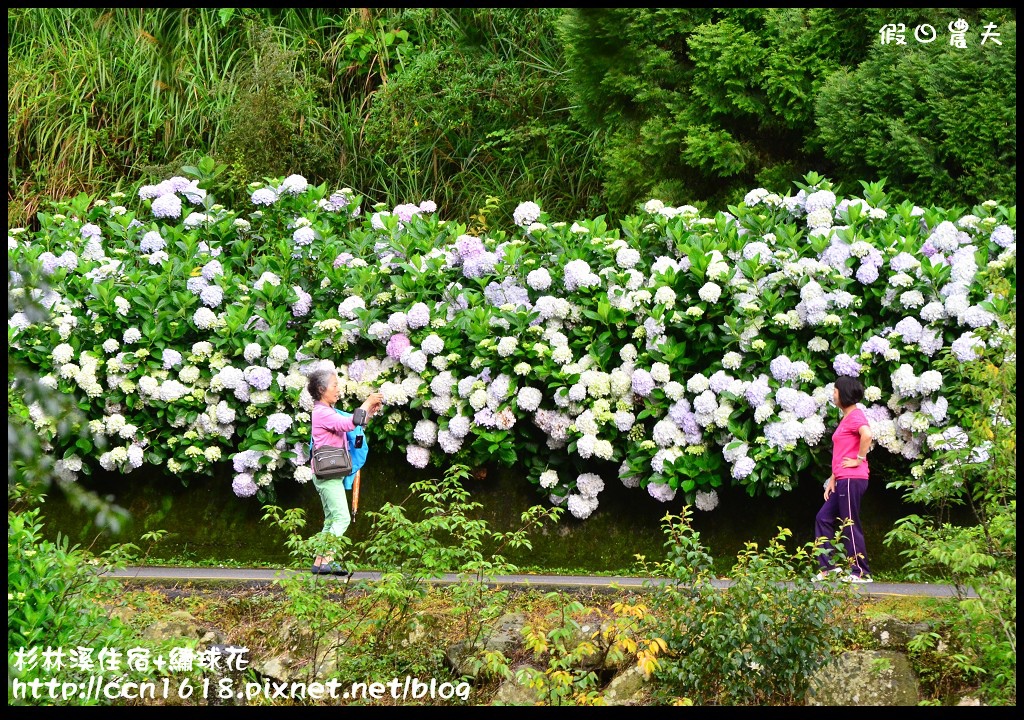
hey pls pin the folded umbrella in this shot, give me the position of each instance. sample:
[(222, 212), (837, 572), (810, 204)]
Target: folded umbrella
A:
[(355, 493)]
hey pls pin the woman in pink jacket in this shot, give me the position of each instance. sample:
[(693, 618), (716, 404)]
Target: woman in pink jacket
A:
[(330, 428)]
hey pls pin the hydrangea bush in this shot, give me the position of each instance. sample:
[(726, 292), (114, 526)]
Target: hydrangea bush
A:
[(677, 352)]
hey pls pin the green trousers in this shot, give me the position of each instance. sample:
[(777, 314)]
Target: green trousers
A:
[(336, 514)]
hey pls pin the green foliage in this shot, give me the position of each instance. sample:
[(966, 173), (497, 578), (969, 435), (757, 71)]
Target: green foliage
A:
[(978, 471), (366, 625), (938, 121), (478, 111), (697, 102), (56, 600), (276, 124), (756, 642), (579, 645)]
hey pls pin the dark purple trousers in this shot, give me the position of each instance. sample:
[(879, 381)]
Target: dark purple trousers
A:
[(841, 505)]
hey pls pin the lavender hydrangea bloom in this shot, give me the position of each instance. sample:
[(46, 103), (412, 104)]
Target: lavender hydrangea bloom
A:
[(264, 196), (479, 265), (212, 296), (781, 368), (867, 273), (398, 344), (846, 365), (743, 467), (642, 383), (167, 206), (303, 236), (1003, 236), (661, 491), (909, 329), (196, 284), (406, 211), (304, 304), (212, 269), (258, 377), (418, 316), (757, 391), (468, 246), (49, 263), (243, 485), (152, 242)]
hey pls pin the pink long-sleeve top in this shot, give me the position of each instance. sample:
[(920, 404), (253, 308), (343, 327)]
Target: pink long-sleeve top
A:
[(846, 444), (329, 427)]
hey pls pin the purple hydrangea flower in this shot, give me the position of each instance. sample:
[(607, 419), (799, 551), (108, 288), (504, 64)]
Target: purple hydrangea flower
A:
[(303, 236), (757, 391), (479, 265), (909, 329), (167, 206), (1004, 236), (468, 246), (867, 273), (846, 365), (279, 423), (743, 467), (782, 368), (642, 383), (397, 345), (302, 306), (152, 242), (211, 295), (243, 485), (91, 231), (258, 377), (212, 269), (356, 370), (418, 316)]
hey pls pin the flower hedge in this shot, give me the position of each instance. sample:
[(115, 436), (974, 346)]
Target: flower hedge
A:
[(674, 353)]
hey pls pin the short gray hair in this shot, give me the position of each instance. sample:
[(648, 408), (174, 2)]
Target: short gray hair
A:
[(318, 381)]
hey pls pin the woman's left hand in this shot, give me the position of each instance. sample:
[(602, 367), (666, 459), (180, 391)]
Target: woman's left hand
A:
[(849, 462)]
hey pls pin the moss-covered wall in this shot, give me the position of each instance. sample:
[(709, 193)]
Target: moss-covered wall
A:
[(205, 521)]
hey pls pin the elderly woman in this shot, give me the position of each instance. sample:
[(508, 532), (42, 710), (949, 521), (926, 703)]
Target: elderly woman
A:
[(331, 428)]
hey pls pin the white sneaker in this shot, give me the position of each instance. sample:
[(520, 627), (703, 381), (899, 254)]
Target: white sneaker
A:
[(857, 579), (823, 575)]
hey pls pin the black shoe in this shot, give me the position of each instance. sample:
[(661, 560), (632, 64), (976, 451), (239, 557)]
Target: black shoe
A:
[(330, 568)]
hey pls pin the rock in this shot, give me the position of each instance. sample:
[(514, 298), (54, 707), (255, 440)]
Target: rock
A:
[(505, 634), (893, 633), (626, 687), (177, 625), (865, 677), (512, 692), (969, 702), (279, 668)]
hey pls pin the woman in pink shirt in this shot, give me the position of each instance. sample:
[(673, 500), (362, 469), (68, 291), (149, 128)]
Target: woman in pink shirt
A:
[(330, 428), (846, 485)]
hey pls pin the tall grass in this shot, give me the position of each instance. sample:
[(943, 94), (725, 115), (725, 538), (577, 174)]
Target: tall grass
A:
[(402, 104)]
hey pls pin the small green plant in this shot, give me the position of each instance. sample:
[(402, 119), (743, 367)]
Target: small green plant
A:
[(580, 653), (372, 625), (756, 642), (57, 603)]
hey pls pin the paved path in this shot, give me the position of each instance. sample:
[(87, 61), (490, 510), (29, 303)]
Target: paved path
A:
[(265, 576)]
